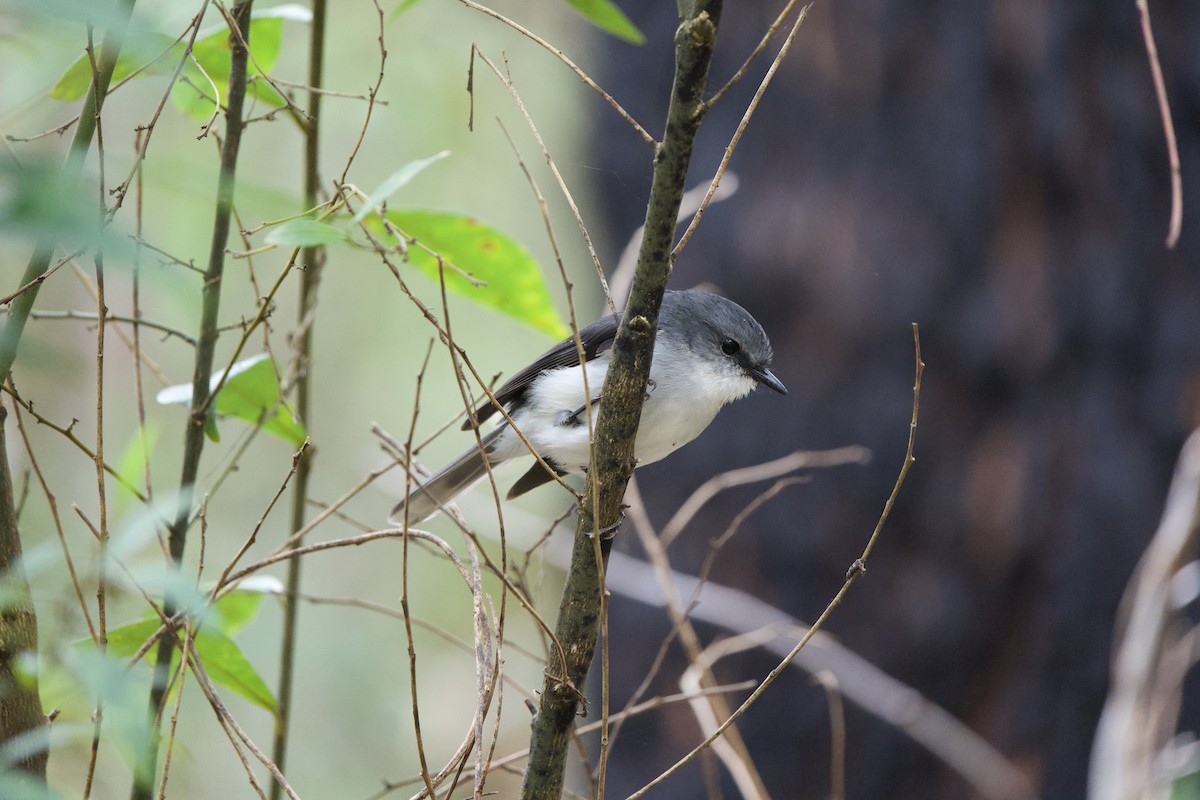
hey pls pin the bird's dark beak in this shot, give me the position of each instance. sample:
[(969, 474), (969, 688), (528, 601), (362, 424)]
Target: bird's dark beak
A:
[(768, 379)]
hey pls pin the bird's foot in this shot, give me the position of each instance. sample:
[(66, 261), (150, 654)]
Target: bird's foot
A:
[(609, 531)]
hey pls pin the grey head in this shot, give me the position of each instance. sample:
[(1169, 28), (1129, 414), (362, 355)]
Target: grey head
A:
[(718, 328)]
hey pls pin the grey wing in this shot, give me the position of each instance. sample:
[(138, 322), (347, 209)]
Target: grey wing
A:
[(595, 338)]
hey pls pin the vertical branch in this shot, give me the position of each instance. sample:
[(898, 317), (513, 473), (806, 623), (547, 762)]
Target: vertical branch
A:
[(313, 259), (581, 609), (20, 706), (193, 443), (18, 315)]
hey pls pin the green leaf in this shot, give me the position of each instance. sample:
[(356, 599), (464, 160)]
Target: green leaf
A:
[(237, 608), (512, 279), (250, 392), (608, 17), (401, 7), (192, 94), (139, 49), (305, 232), (211, 49), (228, 666), (223, 660), (132, 465), (398, 180)]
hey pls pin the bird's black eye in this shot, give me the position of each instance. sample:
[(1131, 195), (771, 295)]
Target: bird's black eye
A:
[(730, 347)]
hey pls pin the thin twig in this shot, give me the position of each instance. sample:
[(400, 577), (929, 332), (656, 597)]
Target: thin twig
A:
[(837, 734), (857, 569), (741, 128), (1164, 110), (583, 76)]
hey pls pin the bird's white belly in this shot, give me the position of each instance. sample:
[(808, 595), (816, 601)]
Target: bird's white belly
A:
[(678, 407)]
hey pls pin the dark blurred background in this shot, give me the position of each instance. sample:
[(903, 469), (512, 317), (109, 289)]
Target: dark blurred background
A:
[(997, 173)]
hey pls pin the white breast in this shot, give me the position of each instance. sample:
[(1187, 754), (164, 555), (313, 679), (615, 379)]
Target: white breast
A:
[(685, 394)]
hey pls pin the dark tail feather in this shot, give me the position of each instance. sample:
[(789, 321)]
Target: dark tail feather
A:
[(458, 476)]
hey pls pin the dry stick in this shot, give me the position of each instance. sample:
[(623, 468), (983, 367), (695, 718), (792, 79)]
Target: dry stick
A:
[(313, 259), (102, 497), (801, 459), (653, 704), (147, 130), (133, 321), (52, 501), (581, 610), (484, 694), (20, 706), (754, 54), (1141, 711), (705, 709), (371, 95), (562, 184), (205, 346), (214, 699), (414, 696), (859, 567), (583, 76), (682, 628), (69, 433), (90, 285), (837, 734), (741, 128), (989, 774), (38, 262), (678, 610), (1164, 109), (173, 725)]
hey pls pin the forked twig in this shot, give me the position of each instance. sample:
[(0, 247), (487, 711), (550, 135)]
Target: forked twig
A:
[(741, 128), (856, 569)]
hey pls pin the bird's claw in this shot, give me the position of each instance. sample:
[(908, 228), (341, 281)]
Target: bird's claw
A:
[(609, 531)]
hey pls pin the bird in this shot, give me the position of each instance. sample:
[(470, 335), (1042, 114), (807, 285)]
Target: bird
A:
[(708, 352)]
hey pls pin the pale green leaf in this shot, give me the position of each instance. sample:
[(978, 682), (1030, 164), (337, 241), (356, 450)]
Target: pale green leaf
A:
[(193, 93), (132, 466), (250, 392), (305, 232), (223, 660), (228, 666), (237, 608), (608, 17), (398, 180), (139, 49), (508, 277)]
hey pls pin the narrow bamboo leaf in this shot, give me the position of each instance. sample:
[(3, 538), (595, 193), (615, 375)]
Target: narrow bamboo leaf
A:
[(250, 392), (510, 280), (608, 17), (305, 233), (398, 180)]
